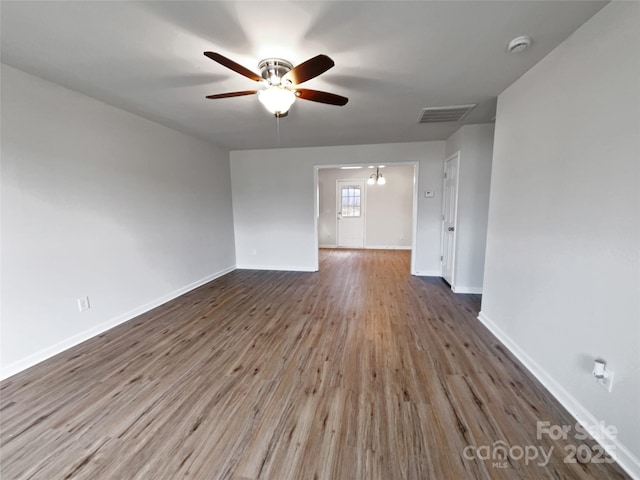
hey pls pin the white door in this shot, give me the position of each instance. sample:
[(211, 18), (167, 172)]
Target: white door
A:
[(449, 214), (350, 213)]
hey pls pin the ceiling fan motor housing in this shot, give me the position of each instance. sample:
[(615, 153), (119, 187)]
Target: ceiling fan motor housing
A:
[(273, 69)]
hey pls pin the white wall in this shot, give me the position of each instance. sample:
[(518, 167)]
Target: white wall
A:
[(99, 202), (562, 278), (475, 144), (388, 208), (273, 201)]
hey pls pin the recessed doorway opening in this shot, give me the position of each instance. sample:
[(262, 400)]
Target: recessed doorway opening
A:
[(354, 211)]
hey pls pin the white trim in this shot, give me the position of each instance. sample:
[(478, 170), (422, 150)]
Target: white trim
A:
[(316, 216), (369, 247), (414, 216), (457, 289), (281, 268), (427, 273), (74, 340), (627, 460)]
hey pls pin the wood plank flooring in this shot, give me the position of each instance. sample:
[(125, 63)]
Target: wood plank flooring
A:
[(359, 371)]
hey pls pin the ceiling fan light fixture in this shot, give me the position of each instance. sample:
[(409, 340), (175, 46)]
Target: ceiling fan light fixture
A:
[(281, 79), (277, 100)]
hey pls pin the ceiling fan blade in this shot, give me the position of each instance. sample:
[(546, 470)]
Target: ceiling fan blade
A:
[(322, 97), (232, 94), (309, 69), (236, 67)]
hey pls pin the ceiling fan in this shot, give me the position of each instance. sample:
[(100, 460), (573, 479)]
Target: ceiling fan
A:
[(281, 80)]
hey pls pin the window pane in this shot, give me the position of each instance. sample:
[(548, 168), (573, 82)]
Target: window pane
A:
[(350, 201)]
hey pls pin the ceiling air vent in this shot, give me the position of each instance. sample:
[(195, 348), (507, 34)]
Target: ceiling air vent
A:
[(453, 113)]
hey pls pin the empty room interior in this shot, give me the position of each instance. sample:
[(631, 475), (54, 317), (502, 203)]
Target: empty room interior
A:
[(320, 240)]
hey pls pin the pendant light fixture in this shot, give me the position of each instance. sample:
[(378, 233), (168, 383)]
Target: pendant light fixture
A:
[(377, 178)]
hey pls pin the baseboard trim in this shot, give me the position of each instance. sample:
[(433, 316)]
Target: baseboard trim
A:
[(368, 247), (627, 460), (427, 273), (281, 268), (46, 353), (457, 289)]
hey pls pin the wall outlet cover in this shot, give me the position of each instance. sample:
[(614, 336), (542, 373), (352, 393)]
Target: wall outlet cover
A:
[(83, 304), (606, 382)]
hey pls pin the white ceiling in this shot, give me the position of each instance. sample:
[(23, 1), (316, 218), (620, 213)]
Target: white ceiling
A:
[(392, 59)]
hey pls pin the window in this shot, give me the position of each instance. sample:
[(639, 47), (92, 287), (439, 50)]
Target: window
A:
[(350, 201)]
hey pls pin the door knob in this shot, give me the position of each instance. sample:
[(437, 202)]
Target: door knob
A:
[(451, 229)]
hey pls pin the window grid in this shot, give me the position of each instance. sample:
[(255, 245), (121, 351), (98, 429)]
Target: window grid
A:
[(350, 201)]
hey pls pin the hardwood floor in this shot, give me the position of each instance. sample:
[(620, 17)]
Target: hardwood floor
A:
[(359, 371)]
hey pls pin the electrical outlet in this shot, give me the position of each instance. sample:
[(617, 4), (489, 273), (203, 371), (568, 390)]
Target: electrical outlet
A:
[(606, 382), (83, 304)]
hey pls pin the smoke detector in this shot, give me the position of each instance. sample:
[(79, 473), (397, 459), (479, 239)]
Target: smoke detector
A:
[(519, 44)]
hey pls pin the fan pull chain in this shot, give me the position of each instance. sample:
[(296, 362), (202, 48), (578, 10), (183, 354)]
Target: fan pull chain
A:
[(278, 127)]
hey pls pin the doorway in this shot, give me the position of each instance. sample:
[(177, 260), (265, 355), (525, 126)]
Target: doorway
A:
[(449, 217), (350, 208), (388, 215)]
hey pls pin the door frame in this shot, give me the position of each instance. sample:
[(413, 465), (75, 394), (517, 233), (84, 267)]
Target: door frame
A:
[(363, 210), (456, 157), (414, 215)]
